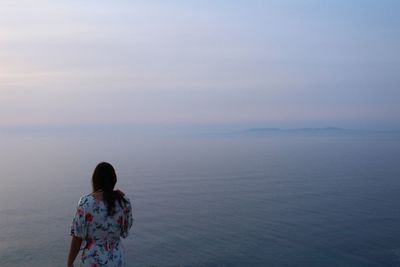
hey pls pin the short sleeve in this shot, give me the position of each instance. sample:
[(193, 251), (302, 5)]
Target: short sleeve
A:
[(78, 227), (127, 219)]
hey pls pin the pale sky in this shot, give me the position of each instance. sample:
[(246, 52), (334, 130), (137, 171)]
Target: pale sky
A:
[(195, 62)]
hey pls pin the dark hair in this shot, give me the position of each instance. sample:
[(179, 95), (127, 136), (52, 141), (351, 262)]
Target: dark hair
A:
[(104, 178)]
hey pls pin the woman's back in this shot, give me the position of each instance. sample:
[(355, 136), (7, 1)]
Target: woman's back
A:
[(101, 232)]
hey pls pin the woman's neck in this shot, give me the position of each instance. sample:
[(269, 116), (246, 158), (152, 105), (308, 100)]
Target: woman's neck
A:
[(98, 194)]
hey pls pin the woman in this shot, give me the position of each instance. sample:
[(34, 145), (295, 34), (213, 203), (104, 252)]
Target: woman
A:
[(101, 218)]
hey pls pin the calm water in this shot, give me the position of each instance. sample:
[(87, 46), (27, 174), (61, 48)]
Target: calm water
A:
[(292, 201)]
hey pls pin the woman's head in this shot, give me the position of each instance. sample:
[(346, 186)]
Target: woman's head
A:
[(104, 177)]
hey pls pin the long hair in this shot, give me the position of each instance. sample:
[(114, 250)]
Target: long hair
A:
[(104, 178)]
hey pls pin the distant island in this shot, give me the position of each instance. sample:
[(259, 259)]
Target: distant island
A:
[(308, 130), (322, 131)]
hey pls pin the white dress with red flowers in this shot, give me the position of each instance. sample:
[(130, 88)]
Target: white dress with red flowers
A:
[(101, 233)]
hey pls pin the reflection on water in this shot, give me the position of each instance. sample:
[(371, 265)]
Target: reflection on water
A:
[(292, 201)]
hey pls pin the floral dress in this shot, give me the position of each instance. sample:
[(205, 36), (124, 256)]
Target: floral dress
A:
[(101, 233)]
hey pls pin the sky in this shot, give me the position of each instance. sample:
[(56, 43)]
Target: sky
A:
[(258, 63)]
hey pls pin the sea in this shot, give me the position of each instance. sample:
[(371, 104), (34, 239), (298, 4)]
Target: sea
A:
[(204, 200)]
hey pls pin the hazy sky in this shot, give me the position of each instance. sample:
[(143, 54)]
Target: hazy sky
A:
[(198, 62)]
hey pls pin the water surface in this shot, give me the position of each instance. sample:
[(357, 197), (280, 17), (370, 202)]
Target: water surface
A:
[(215, 201)]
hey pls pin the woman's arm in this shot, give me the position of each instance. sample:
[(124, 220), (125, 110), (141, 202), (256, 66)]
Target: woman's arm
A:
[(74, 249)]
